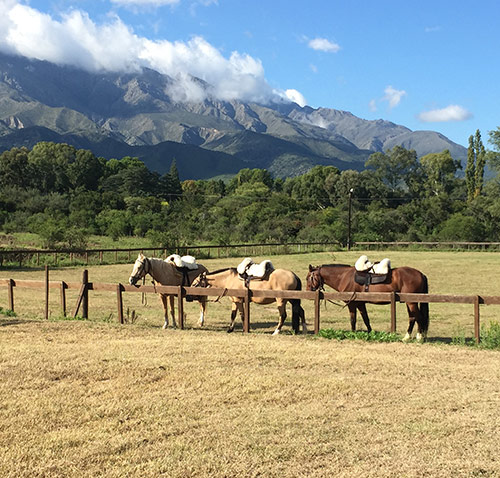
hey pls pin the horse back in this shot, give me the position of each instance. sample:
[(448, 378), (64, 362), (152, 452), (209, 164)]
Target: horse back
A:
[(407, 279)]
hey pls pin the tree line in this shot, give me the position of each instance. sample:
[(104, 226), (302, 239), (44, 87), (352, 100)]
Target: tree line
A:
[(66, 194)]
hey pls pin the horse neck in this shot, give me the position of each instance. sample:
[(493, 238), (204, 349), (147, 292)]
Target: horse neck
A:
[(219, 279), (332, 275), (160, 269)]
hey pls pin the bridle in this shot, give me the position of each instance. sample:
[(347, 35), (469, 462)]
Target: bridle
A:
[(203, 282), (320, 283), (143, 270)]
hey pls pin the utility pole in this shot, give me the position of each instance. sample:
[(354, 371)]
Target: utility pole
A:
[(349, 220)]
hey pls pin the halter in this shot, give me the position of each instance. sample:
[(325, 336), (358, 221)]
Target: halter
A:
[(145, 267), (321, 282), (203, 282)]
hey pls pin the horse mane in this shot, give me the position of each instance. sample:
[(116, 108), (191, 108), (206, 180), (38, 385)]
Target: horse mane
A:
[(335, 265), (221, 270)]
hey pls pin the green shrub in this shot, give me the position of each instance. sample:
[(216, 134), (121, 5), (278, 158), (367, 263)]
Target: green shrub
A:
[(361, 335), (490, 336)]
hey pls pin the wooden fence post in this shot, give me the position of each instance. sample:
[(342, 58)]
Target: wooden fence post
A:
[(85, 299), (477, 329), (180, 308), (393, 312), (46, 292), (119, 297), (63, 298), (246, 311), (317, 304), (10, 294)]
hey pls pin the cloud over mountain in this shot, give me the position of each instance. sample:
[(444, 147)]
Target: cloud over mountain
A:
[(75, 39), (450, 113)]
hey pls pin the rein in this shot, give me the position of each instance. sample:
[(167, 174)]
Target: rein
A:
[(322, 288)]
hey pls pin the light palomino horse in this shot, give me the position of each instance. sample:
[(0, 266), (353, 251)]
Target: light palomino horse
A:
[(279, 279), (165, 273)]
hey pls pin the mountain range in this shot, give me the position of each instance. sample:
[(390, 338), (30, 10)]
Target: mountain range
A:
[(134, 114)]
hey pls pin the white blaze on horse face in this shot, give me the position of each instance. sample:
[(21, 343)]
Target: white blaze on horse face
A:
[(133, 277)]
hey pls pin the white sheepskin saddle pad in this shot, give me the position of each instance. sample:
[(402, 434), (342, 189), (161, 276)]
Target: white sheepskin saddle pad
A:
[(188, 262), (247, 267), (364, 265)]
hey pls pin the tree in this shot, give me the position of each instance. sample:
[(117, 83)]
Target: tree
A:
[(474, 171), (14, 168), (439, 170), (493, 157), (170, 185), (396, 167)]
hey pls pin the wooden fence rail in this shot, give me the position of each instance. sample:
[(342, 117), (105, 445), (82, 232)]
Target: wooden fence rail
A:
[(181, 292), (24, 256), (33, 256)]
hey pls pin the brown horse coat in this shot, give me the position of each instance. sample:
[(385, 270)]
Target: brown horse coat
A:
[(402, 279)]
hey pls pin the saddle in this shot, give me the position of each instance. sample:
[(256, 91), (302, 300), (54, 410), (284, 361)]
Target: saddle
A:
[(184, 265), (248, 270), (367, 273)]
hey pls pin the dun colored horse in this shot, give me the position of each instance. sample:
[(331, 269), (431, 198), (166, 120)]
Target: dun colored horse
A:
[(402, 279), (165, 273), (279, 279)]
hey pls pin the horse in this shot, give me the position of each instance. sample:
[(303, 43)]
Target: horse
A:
[(278, 279), (402, 279), (165, 273)]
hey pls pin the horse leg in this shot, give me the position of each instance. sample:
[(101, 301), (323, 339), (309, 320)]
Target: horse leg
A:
[(302, 316), (282, 311), (171, 300), (163, 299), (203, 305), (413, 315), (352, 311), (364, 314), (235, 307)]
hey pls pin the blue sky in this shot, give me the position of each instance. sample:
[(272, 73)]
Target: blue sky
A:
[(427, 65)]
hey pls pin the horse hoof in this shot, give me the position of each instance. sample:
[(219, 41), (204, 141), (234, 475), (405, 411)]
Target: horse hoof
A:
[(420, 338), (406, 338), (276, 332), (229, 330), (165, 326)]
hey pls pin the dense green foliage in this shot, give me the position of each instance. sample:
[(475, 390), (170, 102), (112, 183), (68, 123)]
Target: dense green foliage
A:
[(65, 194)]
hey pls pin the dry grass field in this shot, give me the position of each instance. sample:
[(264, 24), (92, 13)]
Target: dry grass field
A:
[(95, 399)]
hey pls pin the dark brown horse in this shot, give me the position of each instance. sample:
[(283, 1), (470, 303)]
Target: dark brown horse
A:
[(402, 279)]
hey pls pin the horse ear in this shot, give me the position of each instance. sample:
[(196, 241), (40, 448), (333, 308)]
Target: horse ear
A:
[(311, 268), (140, 256)]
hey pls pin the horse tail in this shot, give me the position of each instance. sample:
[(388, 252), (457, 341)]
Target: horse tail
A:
[(297, 310), (424, 307)]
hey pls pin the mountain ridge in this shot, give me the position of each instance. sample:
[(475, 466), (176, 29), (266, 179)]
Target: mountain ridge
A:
[(134, 114)]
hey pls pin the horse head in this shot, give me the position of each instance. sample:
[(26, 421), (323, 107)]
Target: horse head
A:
[(314, 279), (142, 266), (200, 281)]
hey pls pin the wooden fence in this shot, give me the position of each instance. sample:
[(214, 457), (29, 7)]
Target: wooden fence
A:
[(180, 292), (35, 257)]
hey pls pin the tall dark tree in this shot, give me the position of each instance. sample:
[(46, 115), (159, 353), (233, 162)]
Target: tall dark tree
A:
[(474, 171), (470, 169)]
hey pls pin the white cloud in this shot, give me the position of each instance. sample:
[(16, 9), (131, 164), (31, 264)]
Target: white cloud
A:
[(450, 113), (373, 105), (322, 44), (393, 96), (296, 97), (75, 39), (142, 3)]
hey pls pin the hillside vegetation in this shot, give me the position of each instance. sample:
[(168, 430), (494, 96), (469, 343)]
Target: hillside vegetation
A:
[(67, 194)]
